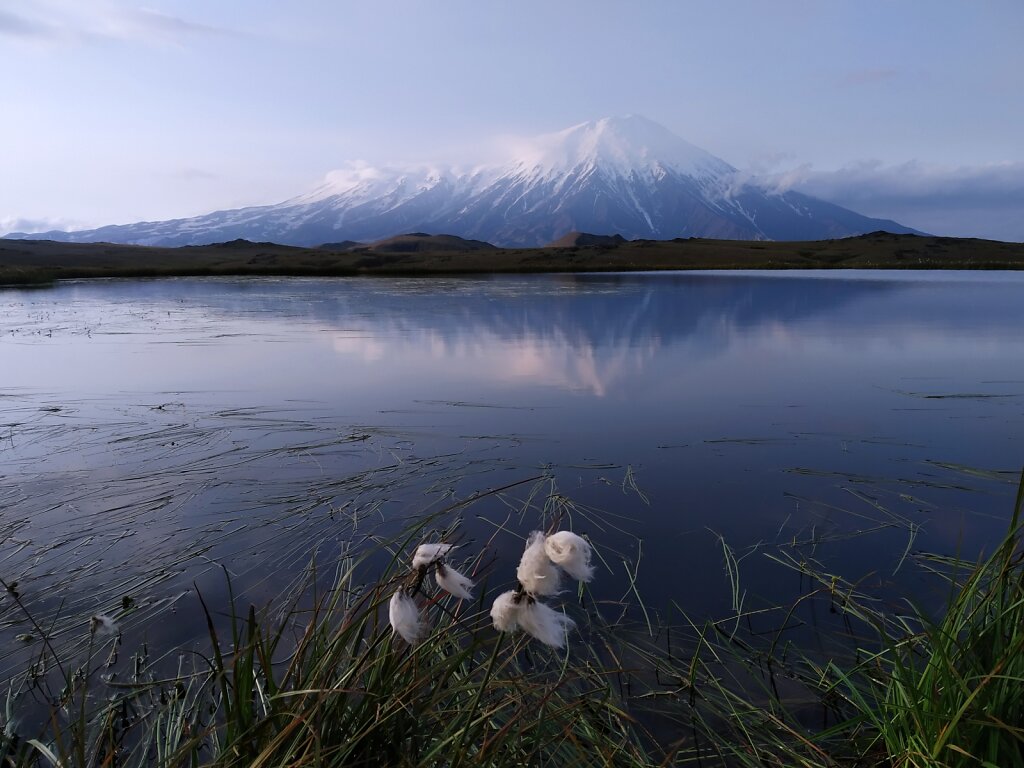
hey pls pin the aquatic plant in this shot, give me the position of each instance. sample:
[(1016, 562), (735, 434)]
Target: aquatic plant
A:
[(895, 687), (539, 573), (536, 573), (453, 582), (405, 617), (571, 553), (316, 680), (545, 624), (101, 624), (403, 613), (505, 611), (427, 554), (949, 691)]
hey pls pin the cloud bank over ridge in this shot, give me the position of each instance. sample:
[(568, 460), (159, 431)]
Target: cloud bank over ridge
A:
[(984, 201)]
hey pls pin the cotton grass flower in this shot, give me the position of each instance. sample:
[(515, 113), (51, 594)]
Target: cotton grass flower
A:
[(453, 582), (101, 624), (405, 617), (545, 624), (430, 553), (536, 572), (571, 553), (505, 611)]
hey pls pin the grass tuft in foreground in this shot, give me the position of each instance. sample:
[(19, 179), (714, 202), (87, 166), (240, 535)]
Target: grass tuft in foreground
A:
[(951, 691), (324, 681), (899, 689)]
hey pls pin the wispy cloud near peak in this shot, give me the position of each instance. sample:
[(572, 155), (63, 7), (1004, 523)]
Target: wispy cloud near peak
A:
[(10, 224)]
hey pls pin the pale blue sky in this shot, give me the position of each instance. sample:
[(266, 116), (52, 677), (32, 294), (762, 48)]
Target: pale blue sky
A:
[(114, 111)]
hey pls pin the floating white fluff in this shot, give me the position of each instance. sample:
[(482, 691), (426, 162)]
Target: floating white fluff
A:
[(430, 553), (571, 553), (405, 617), (547, 625), (505, 612), (453, 582), (536, 572), (102, 624)]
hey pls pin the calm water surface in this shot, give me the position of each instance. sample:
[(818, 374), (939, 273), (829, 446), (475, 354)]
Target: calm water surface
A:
[(154, 433)]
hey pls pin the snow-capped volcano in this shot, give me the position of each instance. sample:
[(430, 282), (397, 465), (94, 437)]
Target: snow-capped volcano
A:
[(620, 146), (625, 175)]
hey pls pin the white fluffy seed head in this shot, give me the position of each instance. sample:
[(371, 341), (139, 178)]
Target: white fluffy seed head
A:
[(101, 624), (405, 617), (571, 553), (544, 624), (453, 582), (536, 572), (430, 553), (505, 612)]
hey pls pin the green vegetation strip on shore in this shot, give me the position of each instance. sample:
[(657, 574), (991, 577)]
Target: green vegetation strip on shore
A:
[(35, 262)]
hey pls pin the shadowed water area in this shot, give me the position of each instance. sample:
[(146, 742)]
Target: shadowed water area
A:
[(157, 435)]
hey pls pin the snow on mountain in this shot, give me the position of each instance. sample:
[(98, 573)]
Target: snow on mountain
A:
[(360, 181), (626, 175), (621, 146)]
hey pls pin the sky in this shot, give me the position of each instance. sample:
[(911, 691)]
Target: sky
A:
[(117, 111)]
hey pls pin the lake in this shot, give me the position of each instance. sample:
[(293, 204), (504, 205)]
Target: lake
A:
[(159, 437)]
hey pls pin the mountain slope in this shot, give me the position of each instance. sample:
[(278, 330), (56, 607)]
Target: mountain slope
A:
[(626, 176)]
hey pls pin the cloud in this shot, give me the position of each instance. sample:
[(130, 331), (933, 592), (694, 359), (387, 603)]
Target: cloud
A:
[(101, 22), (144, 25), (777, 182), (917, 182), (19, 26), (975, 201), (10, 224)]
